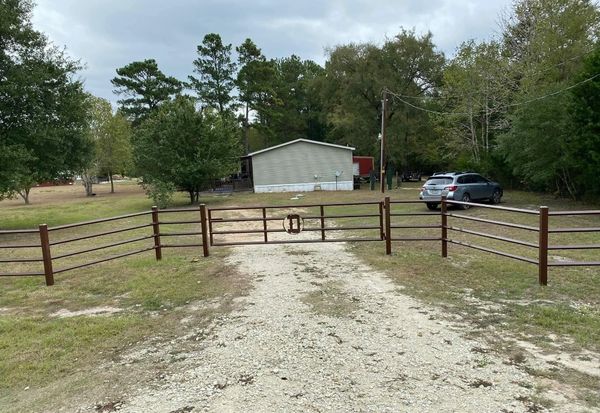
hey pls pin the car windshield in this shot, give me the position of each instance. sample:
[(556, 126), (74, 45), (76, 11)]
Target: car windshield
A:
[(439, 180)]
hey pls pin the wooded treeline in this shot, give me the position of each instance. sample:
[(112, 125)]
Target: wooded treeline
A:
[(523, 108)]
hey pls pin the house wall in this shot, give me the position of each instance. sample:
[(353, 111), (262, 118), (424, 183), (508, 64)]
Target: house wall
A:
[(293, 168)]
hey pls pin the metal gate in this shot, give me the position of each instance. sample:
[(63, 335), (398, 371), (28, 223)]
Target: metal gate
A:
[(291, 224)]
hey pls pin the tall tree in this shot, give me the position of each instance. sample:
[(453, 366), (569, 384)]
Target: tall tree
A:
[(143, 87), (250, 59), (182, 148), (42, 106), (408, 65), (216, 70), (475, 92), (113, 149), (584, 140), (99, 115), (546, 41)]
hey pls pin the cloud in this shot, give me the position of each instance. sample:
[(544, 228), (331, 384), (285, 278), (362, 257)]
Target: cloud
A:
[(107, 34)]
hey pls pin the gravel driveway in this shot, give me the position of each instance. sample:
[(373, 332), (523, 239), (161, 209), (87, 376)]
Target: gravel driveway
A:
[(321, 331)]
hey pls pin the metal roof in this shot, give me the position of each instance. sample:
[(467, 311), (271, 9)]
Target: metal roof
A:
[(300, 140)]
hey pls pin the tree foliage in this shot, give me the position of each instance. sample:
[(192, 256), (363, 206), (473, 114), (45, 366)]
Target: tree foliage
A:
[(185, 148), (356, 76), (216, 69), (545, 41), (42, 106), (144, 88)]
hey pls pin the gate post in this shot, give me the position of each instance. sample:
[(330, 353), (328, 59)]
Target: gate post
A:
[(444, 207), (322, 209), (543, 247), (156, 231), (264, 219), (388, 227), (204, 230), (381, 228), (47, 257)]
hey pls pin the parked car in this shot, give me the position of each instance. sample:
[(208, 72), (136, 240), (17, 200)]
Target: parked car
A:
[(408, 176), (459, 186)]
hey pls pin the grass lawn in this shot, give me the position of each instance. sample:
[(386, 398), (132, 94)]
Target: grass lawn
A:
[(499, 297)]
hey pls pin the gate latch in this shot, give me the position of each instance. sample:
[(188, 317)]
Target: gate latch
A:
[(293, 224)]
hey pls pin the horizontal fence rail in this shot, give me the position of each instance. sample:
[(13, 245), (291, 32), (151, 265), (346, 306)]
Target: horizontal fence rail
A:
[(375, 221), (560, 214), (48, 241)]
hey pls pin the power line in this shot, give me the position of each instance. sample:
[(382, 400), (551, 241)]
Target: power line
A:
[(436, 112)]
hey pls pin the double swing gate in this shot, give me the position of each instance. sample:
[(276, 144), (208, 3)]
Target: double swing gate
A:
[(385, 221)]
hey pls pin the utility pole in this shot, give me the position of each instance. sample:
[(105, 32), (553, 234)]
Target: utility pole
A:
[(382, 155)]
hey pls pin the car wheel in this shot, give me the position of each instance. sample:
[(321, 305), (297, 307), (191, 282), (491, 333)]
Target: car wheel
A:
[(431, 206), (496, 197), (466, 198)]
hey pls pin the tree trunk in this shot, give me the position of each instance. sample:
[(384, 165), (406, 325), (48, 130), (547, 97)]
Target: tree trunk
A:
[(86, 179), (192, 193), (25, 195), (246, 127), (112, 185)]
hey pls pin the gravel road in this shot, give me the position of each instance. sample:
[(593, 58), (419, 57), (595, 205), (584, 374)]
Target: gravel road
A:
[(322, 331)]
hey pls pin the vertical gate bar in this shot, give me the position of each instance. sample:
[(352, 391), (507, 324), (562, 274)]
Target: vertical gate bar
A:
[(210, 228), (388, 227), (264, 215), (381, 230), (322, 222), (47, 257), (444, 227), (543, 247), (204, 230), (156, 230)]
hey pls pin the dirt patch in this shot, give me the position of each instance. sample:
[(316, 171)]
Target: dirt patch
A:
[(94, 311), (586, 362)]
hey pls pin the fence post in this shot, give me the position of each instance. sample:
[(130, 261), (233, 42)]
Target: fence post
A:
[(381, 230), (444, 207), (264, 217), (47, 257), (388, 227), (204, 230), (322, 209), (543, 247), (156, 230)]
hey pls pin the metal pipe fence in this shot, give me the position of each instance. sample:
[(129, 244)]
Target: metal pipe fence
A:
[(383, 228)]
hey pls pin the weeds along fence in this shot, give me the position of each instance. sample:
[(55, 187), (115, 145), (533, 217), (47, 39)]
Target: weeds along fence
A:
[(530, 236)]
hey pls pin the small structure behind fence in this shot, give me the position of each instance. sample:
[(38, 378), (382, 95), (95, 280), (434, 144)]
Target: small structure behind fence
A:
[(380, 227)]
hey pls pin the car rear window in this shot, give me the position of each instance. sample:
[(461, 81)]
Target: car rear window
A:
[(439, 180)]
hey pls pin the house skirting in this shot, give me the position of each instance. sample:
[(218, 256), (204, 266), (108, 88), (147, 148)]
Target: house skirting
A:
[(306, 187)]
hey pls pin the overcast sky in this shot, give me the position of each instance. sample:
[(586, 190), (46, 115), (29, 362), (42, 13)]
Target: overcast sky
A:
[(107, 34)]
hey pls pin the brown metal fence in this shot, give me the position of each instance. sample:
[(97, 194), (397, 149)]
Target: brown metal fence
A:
[(270, 219), (50, 238), (276, 221)]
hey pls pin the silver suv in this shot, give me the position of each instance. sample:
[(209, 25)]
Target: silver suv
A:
[(459, 186)]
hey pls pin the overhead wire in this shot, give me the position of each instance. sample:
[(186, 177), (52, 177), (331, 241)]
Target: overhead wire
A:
[(398, 97)]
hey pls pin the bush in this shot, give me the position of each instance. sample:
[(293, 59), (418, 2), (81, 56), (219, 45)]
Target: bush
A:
[(160, 192)]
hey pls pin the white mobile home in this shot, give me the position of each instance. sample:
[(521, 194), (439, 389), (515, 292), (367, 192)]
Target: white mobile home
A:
[(302, 165)]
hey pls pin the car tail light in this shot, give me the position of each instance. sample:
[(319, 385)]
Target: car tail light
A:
[(451, 188)]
